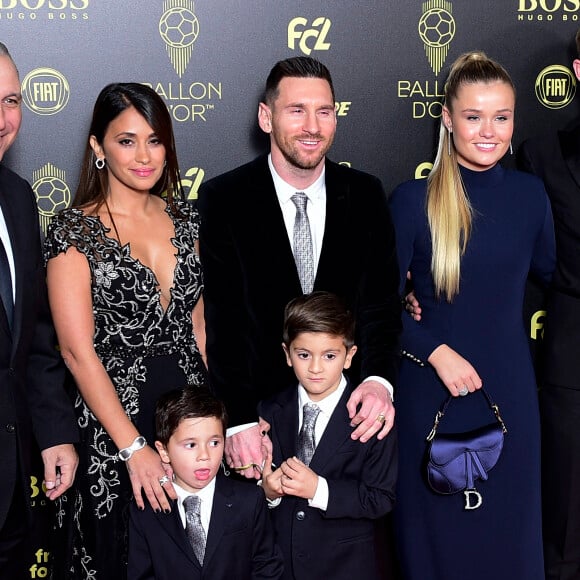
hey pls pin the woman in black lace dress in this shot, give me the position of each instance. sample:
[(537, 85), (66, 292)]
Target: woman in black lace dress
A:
[(125, 288)]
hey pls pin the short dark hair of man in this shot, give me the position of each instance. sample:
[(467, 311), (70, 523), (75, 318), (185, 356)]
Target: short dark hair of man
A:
[(301, 67), (322, 312), (187, 403)]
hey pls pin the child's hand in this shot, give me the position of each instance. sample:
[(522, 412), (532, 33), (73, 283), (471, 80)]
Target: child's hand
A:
[(271, 480), (298, 479)]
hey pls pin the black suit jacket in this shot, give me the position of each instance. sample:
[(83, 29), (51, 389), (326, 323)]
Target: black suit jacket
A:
[(555, 158), (250, 276), (33, 402), (240, 544), (341, 542)]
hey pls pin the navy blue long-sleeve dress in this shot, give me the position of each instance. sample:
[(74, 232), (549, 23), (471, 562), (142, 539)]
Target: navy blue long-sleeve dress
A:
[(512, 235)]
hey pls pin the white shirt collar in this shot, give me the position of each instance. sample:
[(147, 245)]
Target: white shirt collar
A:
[(285, 191), (328, 404), (205, 495)]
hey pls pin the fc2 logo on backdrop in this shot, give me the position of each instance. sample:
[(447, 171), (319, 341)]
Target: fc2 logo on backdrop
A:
[(309, 37)]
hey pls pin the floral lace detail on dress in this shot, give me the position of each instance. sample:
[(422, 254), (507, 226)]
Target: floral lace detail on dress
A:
[(131, 326)]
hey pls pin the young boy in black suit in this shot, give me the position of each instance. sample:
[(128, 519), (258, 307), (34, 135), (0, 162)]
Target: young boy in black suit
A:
[(329, 492), (232, 515)]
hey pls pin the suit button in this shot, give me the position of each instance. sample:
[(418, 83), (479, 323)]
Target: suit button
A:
[(10, 428), (11, 371), (300, 515)]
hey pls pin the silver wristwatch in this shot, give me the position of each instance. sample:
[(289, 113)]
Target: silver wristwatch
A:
[(126, 453)]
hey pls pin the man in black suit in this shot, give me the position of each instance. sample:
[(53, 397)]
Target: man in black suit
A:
[(556, 159), (247, 240), (33, 403)]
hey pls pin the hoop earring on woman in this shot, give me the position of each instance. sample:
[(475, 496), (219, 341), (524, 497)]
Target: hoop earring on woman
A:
[(100, 163), (449, 131)]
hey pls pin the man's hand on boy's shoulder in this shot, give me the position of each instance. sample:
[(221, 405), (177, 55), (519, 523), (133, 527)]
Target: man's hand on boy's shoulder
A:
[(376, 413), (298, 479)]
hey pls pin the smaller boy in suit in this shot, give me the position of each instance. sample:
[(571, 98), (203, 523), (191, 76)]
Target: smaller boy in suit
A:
[(218, 528), (330, 492)]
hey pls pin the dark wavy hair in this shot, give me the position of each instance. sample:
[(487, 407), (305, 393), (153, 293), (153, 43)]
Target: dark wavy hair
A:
[(111, 102), (318, 312), (295, 67), (187, 403)]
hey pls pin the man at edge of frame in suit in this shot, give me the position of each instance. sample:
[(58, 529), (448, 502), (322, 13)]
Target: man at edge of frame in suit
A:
[(246, 243), (555, 158), (33, 402)]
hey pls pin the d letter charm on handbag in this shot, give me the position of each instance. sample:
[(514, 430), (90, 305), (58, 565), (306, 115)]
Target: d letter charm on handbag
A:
[(477, 499)]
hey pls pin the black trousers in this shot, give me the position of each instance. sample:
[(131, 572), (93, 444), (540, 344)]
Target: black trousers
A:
[(560, 413), (15, 540)]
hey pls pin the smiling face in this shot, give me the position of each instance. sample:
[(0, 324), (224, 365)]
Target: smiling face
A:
[(318, 360), (195, 451), (10, 104), (134, 154), (481, 119), (301, 122)]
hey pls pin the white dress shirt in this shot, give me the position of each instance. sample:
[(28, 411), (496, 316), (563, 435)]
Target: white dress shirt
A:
[(327, 406), (315, 208), (206, 497), (8, 247)]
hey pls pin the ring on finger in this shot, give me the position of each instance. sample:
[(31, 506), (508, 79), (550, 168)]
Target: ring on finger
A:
[(463, 391), (381, 418), (163, 480), (243, 467)]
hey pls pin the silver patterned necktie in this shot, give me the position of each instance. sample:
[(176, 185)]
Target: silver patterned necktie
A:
[(306, 443), (302, 243), (193, 528)]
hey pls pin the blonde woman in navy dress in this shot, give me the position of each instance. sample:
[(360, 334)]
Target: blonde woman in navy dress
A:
[(470, 234)]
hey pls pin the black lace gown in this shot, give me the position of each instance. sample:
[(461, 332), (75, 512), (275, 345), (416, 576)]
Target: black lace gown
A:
[(146, 351)]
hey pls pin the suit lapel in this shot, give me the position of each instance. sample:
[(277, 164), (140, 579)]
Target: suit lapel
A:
[(266, 229), (287, 414), (335, 228), (223, 501), (337, 431), (569, 144), (173, 526)]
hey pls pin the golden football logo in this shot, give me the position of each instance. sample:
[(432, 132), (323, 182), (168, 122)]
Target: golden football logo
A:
[(45, 91), (436, 30), (555, 86), (52, 193), (179, 28)]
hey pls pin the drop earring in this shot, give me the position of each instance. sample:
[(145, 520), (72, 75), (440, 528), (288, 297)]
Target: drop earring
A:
[(449, 142), (511, 148)]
